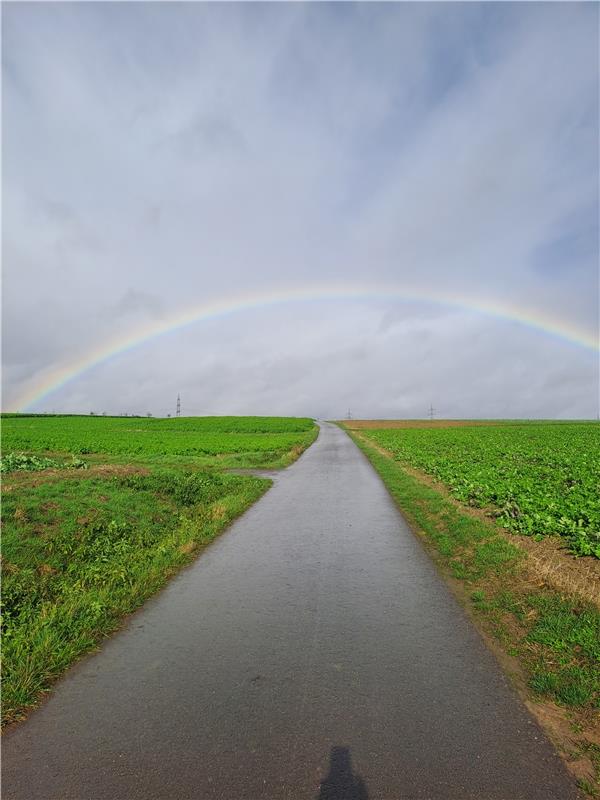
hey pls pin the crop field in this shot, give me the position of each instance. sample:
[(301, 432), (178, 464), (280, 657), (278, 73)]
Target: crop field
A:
[(98, 512), (533, 602), (537, 479), (216, 441)]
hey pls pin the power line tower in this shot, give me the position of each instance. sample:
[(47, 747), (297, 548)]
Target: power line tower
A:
[(178, 412), (431, 413), (349, 414)]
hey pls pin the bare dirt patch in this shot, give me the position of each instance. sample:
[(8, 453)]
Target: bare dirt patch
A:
[(375, 424), (33, 479)]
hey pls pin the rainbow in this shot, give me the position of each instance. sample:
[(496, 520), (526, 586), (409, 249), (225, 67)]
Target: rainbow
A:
[(55, 377)]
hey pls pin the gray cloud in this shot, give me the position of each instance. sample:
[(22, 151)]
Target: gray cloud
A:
[(159, 156), (135, 302), (206, 135)]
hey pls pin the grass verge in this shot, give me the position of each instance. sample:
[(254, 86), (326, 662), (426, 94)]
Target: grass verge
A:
[(548, 642), (87, 541), (78, 555)]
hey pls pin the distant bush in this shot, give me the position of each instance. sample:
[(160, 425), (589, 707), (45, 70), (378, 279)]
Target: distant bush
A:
[(19, 461), (12, 462)]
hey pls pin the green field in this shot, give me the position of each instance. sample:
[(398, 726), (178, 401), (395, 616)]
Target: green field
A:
[(212, 441), (548, 630), (536, 479), (98, 512)]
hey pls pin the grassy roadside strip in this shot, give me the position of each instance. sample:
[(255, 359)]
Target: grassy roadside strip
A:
[(294, 453), (548, 643), (87, 541), (78, 555)]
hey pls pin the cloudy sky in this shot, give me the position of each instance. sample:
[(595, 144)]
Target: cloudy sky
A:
[(162, 157)]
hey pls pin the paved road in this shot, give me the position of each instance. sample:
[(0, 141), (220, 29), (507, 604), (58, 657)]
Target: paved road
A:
[(311, 652)]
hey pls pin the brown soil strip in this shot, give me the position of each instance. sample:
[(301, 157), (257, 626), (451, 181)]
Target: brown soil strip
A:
[(375, 424), (24, 478)]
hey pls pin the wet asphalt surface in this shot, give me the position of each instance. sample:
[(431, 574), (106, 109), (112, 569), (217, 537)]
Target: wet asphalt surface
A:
[(311, 652)]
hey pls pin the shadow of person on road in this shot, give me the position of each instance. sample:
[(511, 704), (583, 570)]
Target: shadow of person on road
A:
[(341, 783)]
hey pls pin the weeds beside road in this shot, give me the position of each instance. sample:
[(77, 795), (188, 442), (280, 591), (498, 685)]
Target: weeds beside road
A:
[(86, 542), (549, 642)]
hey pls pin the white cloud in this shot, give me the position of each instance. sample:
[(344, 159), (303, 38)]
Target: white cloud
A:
[(157, 156)]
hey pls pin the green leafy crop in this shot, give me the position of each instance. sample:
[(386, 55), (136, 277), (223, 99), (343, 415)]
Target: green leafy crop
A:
[(538, 479)]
